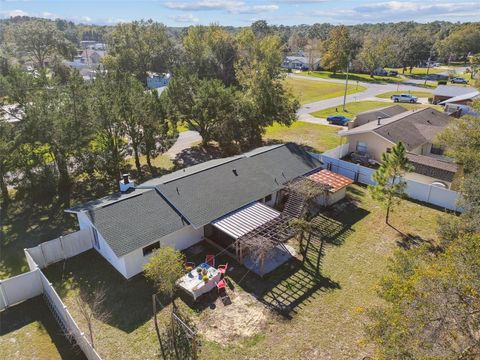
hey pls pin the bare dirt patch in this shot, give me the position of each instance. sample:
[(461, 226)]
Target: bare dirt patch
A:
[(244, 317)]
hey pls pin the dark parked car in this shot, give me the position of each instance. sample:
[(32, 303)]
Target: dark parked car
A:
[(338, 120), (392, 73)]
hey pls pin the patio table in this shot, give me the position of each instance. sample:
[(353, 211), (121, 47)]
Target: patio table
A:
[(193, 283)]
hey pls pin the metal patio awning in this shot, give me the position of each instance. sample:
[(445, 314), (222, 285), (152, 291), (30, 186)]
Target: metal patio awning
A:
[(245, 219)]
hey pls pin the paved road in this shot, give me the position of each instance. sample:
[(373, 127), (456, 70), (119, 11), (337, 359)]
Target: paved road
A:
[(186, 140), (368, 94)]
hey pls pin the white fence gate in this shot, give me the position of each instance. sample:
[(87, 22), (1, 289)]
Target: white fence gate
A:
[(444, 198), (62, 248)]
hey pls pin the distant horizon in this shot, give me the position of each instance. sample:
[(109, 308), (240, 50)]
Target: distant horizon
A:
[(239, 13)]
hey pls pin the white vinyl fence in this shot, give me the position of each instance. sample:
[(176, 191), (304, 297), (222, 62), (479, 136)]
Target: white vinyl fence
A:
[(61, 248), (19, 288), (33, 283), (444, 198)]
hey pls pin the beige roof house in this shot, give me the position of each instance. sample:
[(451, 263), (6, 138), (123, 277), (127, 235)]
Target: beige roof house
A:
[(417, 130)]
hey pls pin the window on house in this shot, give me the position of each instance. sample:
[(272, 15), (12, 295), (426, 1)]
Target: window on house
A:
[(95, 238), (268, 198), (361, 147), (149, 249), (437, 149)]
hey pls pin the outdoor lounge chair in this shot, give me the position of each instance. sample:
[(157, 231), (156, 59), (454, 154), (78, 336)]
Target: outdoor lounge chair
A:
[(210, 260), (222, 269)]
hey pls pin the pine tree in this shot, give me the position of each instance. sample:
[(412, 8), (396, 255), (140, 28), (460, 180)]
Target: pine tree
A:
[(390, 186)]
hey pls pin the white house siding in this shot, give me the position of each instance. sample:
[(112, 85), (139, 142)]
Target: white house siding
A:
[(180, 240), (332, 197), (104, 249)]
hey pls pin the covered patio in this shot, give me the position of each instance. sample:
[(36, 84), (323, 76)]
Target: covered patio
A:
[(229, 233)]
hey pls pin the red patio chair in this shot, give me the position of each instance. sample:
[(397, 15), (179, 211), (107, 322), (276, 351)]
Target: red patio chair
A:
[(210, 260), (221, 285), (222, 269)]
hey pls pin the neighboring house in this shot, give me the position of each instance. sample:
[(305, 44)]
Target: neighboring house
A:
[(155, 80), (446, 92), (300, 63), (180, 208), (460, 105), (417, 130)]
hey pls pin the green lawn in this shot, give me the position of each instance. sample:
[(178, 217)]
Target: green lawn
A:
[(309, 91), (160, 162), (351, 76), (315, 307), (318, 137), (418, 71), (355, 108), (29, 331), (419, 94)]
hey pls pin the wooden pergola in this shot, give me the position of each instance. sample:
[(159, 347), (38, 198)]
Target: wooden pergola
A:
[(259, 242)]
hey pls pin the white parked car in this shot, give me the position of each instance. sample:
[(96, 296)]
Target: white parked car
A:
[(405, 98), (458, 80)]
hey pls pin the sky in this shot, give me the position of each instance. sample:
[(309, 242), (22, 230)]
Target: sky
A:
[(244, 12)]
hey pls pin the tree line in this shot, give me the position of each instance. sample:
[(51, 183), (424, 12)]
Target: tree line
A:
[(227, 87)]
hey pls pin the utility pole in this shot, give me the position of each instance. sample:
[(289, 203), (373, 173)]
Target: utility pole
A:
[(428, 66), (346, 84)]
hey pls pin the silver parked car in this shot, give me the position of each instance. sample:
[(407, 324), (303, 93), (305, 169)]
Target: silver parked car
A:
[(405, 98)]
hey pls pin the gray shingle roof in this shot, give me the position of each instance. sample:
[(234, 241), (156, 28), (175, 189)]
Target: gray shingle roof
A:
[(446, 90), (373, 115), (207, 195), (416, 128), (136, 221), (436, 168)]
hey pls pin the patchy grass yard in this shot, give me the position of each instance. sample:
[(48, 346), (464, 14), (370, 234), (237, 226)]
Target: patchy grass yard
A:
[(29, 331), (318, 137), (312, 308), (309, 91), (419, 94), (354, 108)]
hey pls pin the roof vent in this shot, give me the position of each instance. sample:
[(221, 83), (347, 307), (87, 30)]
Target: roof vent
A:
[(235, 171), (378, 120), (126, 184)]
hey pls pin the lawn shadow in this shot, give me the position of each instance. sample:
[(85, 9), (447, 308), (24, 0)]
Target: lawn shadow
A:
[(196, 155), (408, 241), (36, 310), (128, 302)]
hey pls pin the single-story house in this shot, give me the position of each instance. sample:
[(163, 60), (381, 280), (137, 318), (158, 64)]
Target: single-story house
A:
[(445, 92), (416, 129), (181, 208), (300, 63)]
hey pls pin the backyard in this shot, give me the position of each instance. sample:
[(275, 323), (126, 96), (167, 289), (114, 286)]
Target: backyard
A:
[(309, 91), (318, 138), (312, 308), (29, 331), (354, 108)]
